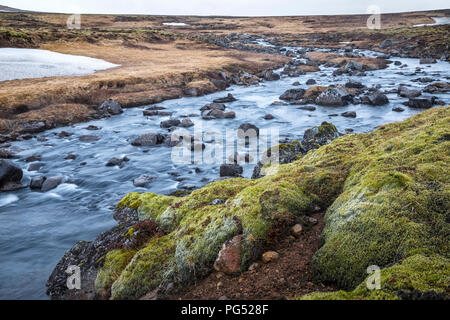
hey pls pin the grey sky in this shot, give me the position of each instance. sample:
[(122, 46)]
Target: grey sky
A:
[(225, 7)]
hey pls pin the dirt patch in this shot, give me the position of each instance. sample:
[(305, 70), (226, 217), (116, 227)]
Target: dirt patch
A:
[(287, 278)]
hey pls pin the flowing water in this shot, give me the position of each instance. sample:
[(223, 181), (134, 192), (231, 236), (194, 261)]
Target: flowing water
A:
[(37, 228)]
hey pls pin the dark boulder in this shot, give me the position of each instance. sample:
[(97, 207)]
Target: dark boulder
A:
[(10, 176), (334, 97), (148, 140), (37, 182), (110, 106), (377, 99), (421, 103), (248, 129), (170, 123), (143, 180), (231, 170), (293, 94), (228, 98), (269, 75)]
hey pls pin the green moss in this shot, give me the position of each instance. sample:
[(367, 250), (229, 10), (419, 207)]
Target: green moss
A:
[(150, 267), (416, 273), (115, 262), (387, 195)]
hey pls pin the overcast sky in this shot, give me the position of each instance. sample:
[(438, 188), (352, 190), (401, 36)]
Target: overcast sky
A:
[(225, 7)]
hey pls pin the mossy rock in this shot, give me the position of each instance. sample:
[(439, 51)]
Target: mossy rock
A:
[(387, 195), (417, 273)]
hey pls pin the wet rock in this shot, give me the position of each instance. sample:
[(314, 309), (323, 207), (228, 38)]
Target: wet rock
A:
[(186, 123), (270, 256), (397, 63), (143, 180), (278, 103), (228, 98), (427, 61), (293, 94), (70, 157), (110, 106), (89, 138), (35, 166), (354, 85), (310, 82), (64, 134), (297, 230), (116, 162), (229, 258), (307, 108), (10, 176), (377, 99), (148, 140), (334, 97), (349, 114), (151, 113), (37, 182), (51, 183), (92, 128), (437, 88), (398, 109), (269, 117), (421, 103), (269, 75), (33, 127), (229, 115), (248, 130), (296, 84), (5, 154), (170, 123), (231, 170), (155, 108), (408, 93), (220, 84), (352, 66), (33, 158)]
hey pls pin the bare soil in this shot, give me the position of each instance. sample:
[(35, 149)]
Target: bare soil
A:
[(287, 278)]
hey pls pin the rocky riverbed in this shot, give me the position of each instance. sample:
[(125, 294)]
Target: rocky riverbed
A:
[(78, 174)]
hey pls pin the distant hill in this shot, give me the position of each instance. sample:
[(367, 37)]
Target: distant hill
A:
[(9, 9)]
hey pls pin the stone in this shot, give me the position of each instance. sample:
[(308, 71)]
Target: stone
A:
[(186, 123), (143, 180), (228, 98), (293, 94), (170, 123), (147, 140), (231, 170), (248, 129), (10, 175), (333, 97), (398, 109), (51, 183), (377, 99), (37, 182), (311, 82), (110, 106), (270, 256), (427, 61), (408, 93), (297, 230), (35, 166), (269, 117), (421, 103), (229, 258), (89, 138), (349, 114), (269, 75)]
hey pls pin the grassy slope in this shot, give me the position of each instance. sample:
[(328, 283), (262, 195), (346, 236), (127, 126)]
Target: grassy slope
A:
[(387, 195)]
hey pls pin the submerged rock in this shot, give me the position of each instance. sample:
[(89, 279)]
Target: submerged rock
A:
[(143, 180), (148, 140), (228, 98)]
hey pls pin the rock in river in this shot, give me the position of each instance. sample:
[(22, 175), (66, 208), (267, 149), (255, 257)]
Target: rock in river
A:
[(231, 170), (110, 106), (143, 180), (334, 97), (51, 183), (10, 176)]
